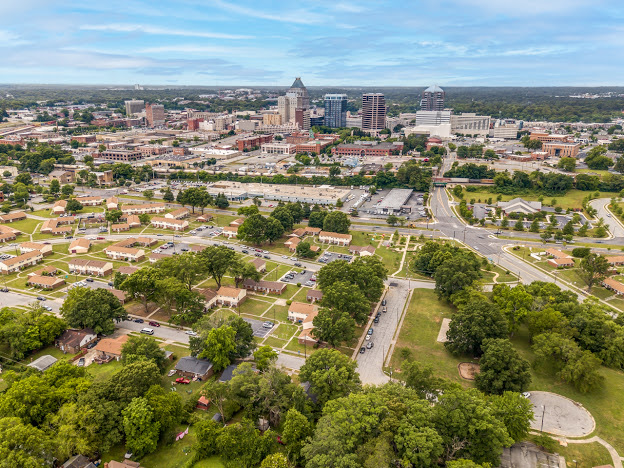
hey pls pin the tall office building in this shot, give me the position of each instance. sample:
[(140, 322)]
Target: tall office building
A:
[(336, 110), (155, 115), (134, 106), (432, 99), (373, 112), (294, 107)]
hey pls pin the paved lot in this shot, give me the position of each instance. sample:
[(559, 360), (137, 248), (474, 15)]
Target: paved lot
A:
[(332, 256), (258, 329), (561, 416), (12, 299), (160, 332)]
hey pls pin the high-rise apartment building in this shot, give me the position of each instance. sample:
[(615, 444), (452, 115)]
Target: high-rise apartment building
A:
[(294, 107), (432, 99), (373, 112), (155, 115), (336, 110), (134, 106)]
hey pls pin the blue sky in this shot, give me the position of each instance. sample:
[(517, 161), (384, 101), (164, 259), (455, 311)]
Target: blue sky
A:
[(339, 42)]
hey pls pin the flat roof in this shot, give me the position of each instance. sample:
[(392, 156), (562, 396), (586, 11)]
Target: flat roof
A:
[(396, 198)]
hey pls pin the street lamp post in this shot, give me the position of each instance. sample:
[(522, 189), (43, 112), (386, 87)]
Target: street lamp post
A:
[(543, 413)]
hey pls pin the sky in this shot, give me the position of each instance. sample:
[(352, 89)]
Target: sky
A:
[(325, 42)]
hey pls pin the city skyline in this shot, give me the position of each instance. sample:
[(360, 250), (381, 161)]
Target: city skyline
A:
[(450, 43)]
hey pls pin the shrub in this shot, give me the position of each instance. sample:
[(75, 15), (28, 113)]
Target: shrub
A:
[(581, 252)]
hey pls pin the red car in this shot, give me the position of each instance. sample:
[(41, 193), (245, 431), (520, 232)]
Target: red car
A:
[(182, 380), (154, 324), (100, 238)]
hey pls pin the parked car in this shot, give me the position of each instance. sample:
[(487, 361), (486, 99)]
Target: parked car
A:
[(267, 325), (362, 350), (190, 333), (370, 331), (383, 303), (41, 298), (147, 331), (182, 380), (81, 362), (138, 320), (369, 345), (91, 345), (89, 280), (154, 324)]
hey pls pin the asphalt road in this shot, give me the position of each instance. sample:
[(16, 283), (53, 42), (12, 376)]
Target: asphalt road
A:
[(615, 226)]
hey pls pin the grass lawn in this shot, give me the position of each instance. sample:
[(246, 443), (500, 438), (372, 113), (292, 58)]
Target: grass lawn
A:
[(279, 312), (301, 295), (52, 351), (284, 331), (27, 226), (44, 214), (275, 342), (390, 258), (419, 332), (587, 455), (253, 307), (104, 371)]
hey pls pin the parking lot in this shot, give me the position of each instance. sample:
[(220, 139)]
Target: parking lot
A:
[(258, 329), (304, 277), (173, 249), (206, 231), (329, 257)]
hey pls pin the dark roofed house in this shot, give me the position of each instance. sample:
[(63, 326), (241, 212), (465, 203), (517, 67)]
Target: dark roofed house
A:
[(269, 287), (314, 295), (71, 341), (78, 461), (194, 368)]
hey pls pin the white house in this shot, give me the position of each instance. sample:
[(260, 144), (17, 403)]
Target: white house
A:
[(167, 223), (335, 238)]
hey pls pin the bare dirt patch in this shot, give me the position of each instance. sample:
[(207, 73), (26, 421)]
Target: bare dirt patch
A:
[(468, 370)]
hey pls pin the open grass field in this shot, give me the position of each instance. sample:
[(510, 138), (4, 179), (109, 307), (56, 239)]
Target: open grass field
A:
[(27, 226)]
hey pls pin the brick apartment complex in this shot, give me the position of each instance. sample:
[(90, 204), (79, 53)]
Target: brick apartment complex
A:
[(193, 124), (121, 155), (253, 141), (84, 139), (83, 266)]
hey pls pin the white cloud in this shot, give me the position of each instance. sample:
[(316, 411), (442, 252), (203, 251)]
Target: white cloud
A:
[(297, 17), (147, 29)]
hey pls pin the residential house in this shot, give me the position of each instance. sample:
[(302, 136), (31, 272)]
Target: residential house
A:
[(554, 253), (237, 222), (167, 223), (203, 403), (110, 348), (82, 266), (59, 207), (64, 177), (133, 221), (194, 368), (112, 203), (300, 232), (45, 282), (11, 265), (90, 201), (306, 337), (127, 270), (119, 294), (204, 218), (366, 251), (613, 285), (8, 235), (335, 238), (561, 262), (48, 270), (616, 261), (120, 227), (78, 461), (180, 213), (298, 311), (124, 253), (269, 287), (146, 208), (210, 297), (72, 341), (259, 264), (134, 241), (79, 246), (229, 232), (314, 295), (312, 231), (43, 363), (154, 257), (45, 249), (12, 217), (231, 297), (57, 226), (292, 243)]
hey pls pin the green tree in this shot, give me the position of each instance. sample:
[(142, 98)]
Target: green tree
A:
[(131, 381), (206, 433), (275, 460), (347, 297), (143, 285), (73, 206), (168, 196), (97, 309), (421, 379), (392, 220), (567, 164), (217, 261), (593, 269), (187, 268), (253, 229), (516, 412), (336, 221), (535, 226), (519, 226), (331, 375), (472, 324), (317, 218), (513, 302), (456, 273), (274, 230), (167, 407), (149, 194), (248, 210), (24, 445), (55, 186), (304, 250), (67, 190), (264, 357), (112, 216), (333, 326), (144, 218), (139, 348), (297, 429), (219, 345), (334, 171), (501, 368), (241, 271), (140, 427), (282, 214)]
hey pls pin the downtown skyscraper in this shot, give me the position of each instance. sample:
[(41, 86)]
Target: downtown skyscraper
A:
[(336, 110)]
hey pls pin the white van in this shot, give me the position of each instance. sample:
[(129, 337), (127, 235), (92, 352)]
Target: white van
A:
[(147, 331)]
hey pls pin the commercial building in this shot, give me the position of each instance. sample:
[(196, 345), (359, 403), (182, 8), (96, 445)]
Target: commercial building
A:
[(562, 150), (395, 202), (278, 148), (272, 119), (432, 99), (433, 117), (121, 155), (373, 112), (506, 129), (470, 124), (253, 141), (134, 106), (549, 137), (64, 177), (365, 150), (336, 110), (518, 205), (155, 115), (294, 107)]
